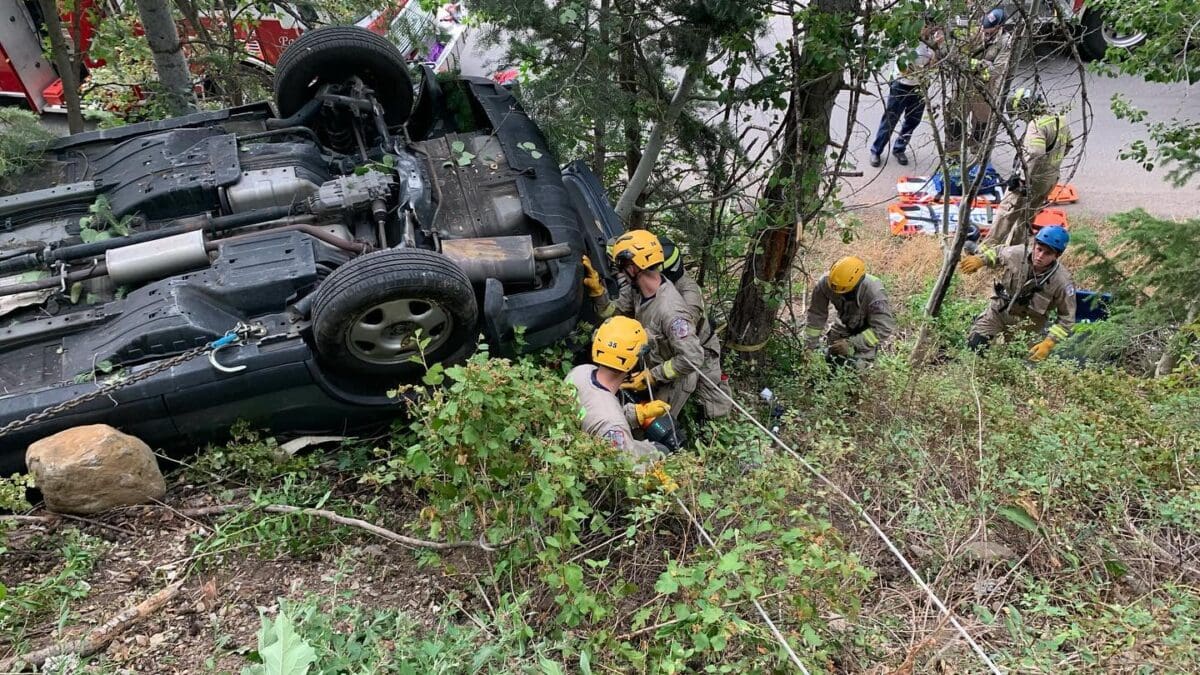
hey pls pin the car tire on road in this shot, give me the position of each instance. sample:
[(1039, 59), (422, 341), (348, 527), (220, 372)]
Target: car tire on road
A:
[(366, 314), (335, 53)]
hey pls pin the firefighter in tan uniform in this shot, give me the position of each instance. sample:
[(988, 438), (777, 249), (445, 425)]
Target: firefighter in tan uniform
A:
[(1047, 141), (714, 399), (1032, 283), (676, 353), (616, 346), (985, 53), (864, 315)]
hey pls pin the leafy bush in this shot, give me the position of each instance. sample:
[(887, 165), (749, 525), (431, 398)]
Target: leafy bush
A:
[(22, 139)]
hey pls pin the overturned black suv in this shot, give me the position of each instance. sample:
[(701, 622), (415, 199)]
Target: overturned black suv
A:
[(369, 223)]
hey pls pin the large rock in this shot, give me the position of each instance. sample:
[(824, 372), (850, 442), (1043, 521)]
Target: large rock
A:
[(94, 468)]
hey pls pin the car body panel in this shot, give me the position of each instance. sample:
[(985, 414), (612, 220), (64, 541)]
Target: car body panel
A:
[(264, 277)]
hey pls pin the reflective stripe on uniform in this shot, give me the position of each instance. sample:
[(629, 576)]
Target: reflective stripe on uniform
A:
[(870, 338), (669, 369), (608, 311), (811, 331), (1058, 332)]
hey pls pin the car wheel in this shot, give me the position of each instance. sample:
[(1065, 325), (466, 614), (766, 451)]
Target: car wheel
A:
[(1096, 37), (332, 55), (372, 314)]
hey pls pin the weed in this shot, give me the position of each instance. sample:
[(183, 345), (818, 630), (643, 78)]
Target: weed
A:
[(25, 603)]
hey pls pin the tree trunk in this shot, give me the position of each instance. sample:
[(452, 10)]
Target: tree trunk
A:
[(600, 123), (657, 138), (172, 68), (627, 70), (60, 52), (792, 195), (1170, 357)]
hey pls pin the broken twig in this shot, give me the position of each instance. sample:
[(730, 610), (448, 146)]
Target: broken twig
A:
[(99, 637)]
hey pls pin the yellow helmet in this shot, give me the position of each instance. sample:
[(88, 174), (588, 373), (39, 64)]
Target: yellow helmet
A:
[(846, 273), (618, 342), (640, 247)]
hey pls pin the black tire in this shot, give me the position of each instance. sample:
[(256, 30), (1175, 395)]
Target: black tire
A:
[(1094, 44), (1091, 37), (373, 292), (334, 53)]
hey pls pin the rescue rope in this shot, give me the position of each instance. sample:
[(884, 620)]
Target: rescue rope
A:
[(862, 513), (757, 605), (716, 549)]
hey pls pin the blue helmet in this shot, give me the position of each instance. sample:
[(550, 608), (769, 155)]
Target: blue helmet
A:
[(1054, 236)]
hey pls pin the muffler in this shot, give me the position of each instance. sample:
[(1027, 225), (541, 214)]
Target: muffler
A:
[(506, 259), (157, 258)]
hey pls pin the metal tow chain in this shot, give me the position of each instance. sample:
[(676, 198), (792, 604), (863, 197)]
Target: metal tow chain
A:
[(240, 333)]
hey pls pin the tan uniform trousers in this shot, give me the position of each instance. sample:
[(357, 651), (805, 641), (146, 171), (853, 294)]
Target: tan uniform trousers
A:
[(1017, 211)]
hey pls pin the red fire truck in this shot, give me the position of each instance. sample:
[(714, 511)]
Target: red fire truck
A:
[(27, 74)]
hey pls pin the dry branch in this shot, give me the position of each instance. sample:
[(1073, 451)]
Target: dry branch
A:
[(352, 522), (99, 637)]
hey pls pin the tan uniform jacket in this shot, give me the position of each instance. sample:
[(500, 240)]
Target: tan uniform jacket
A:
[(604, 416), (864, 316), (1047, 141), (1031, 297), (668, 322)]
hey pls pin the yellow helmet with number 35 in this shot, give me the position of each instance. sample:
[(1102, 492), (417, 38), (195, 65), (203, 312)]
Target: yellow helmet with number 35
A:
[(618, 342)]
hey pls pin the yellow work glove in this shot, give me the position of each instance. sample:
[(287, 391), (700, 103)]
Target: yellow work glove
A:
[(841, 348), (648, 412), (591, 279), (1041, 350), (638, 382), (970, 264)]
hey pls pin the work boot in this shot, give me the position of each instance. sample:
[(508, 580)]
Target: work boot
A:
[(875, 160), (901, 158)]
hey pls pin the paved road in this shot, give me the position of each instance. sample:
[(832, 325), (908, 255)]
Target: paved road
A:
[(1106, 183)]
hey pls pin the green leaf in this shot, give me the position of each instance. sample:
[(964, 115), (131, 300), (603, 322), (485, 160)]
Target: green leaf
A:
[(33, 276), (585, 663), (283, 652), (1116, 568), (550, 667), (419, 461), (1012, 620), (458, 146), (527, 146), (568, 15), (76, 292), (666, 584), (105, 366), (1019, 516), (465, 158), (985, 615), (729, 563), (535, 154)]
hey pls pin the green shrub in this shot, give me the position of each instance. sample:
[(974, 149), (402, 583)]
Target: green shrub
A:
[(22, 140)]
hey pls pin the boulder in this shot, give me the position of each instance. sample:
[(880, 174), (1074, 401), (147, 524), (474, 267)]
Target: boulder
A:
[(94, 468)]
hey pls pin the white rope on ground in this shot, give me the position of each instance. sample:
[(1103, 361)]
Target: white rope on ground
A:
[(713, 545), (757, 605), (862, 513)]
